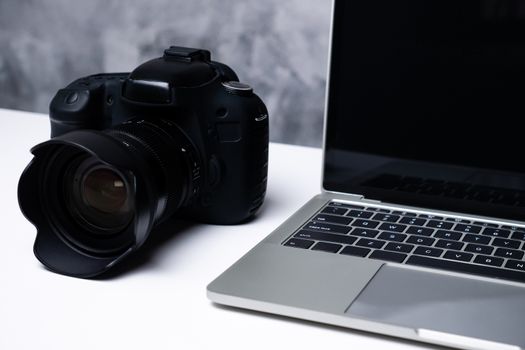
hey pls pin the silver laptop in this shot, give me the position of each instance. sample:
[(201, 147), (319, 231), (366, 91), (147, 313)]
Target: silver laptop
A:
[(419, 230)]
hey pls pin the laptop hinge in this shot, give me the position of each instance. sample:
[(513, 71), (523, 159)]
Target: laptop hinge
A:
[(350, 196), (353, 197)]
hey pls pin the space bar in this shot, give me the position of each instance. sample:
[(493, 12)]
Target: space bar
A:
[(468, 268)]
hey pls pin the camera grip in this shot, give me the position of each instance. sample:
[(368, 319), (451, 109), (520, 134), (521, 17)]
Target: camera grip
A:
[(241, 149)]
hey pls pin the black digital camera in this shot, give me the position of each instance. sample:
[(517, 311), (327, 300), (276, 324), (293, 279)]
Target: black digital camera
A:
[(177, 137)]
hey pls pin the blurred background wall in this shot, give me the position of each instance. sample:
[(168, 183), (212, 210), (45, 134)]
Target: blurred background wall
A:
[(277, 46)]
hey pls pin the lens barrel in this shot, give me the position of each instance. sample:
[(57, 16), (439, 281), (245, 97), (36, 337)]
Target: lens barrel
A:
[(170, 155), (100, 193)]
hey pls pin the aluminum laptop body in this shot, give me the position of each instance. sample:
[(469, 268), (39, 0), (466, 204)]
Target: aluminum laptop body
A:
[(419, 230)]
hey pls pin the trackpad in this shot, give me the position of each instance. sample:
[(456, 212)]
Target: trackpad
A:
[(436, 304)]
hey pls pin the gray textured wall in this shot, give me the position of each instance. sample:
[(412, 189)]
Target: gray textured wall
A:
[(278, 46)]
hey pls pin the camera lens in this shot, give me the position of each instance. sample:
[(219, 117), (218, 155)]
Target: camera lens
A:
[(95, 196), (99, 196)]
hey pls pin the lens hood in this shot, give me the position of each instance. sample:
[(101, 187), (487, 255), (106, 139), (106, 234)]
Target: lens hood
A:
[(39, 184)]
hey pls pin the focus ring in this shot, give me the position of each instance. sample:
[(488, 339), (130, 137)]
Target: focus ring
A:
[(173, 176)]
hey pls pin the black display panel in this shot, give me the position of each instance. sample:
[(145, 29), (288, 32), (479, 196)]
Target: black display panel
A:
[(426, 104)]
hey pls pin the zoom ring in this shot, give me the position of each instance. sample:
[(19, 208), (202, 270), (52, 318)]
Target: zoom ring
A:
[(170, 155)]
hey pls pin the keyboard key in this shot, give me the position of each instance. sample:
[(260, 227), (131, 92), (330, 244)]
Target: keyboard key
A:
[(386, 217), (428, 251), (479, 249), (334, 210), (364, 232), (321, 226), (412, 221), (455, 245), (392, 236), (427, 216), (496, 232), (388, 256), (461, 256), (448, 235), (333, 219), (404, 213), (328, 237), (470, 268), (513, 228), (516, 265), (365, 223), (299, 243), (370, 243), (419, 240), (399, 247), (356, 251), (327, 247), (392, 227), (360, 214), (476, 239), (440, 224), (485, 224), (509, 253), (518, 235), (344, 205), (422, 231), (488, 260), (506, 243), (467, 228), (380, 210), (458, 220)]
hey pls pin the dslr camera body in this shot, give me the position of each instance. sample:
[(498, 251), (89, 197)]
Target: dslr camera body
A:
[(179, 137)]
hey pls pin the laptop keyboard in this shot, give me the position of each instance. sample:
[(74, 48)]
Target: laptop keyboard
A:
[(459, 245)]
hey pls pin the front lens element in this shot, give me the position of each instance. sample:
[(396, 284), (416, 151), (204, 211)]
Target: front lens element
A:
[(99, 195), (104, 190)]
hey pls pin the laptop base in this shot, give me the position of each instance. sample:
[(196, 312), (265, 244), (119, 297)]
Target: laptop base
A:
[(335, 289)]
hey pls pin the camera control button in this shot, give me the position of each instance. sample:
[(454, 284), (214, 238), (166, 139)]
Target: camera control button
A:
[(214, 171), (238, 88), (71, 98)]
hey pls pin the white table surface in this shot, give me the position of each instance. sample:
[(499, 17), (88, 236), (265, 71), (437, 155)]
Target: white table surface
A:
[(161, 303)]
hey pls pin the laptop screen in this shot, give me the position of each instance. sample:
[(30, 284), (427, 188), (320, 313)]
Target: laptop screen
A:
[(426, 100)]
